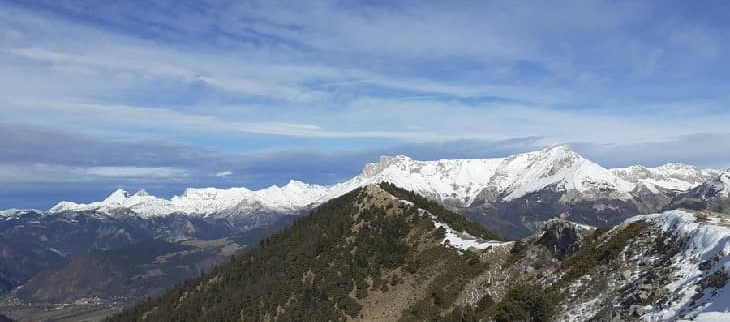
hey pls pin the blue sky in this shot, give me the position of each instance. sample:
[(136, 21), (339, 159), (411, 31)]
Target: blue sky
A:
[(167, 94)]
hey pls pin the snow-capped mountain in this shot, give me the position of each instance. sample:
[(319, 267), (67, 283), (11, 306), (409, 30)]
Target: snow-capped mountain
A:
[(455, 182), (670, 266), (293, 196), (713, 195), (673, 176), (461, 181)]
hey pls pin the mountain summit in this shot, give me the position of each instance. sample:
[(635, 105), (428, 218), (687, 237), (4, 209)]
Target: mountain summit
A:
[(515, 194)]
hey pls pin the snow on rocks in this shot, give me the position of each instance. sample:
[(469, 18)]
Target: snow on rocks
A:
[(459, 240), (699, 285), (463, 240)]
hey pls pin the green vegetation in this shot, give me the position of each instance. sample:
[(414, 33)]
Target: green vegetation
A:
[(600, 250), (359, 249), (324, 265), (516, 252), (455, 271), (526, 303), (455, 221), (306, 272), (522, 302)]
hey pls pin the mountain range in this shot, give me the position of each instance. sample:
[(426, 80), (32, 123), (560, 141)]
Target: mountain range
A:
[(514, 197), (381, 253)]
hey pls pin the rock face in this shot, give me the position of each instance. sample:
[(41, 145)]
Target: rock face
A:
[(564, 238), (673, 267), (712, 195)]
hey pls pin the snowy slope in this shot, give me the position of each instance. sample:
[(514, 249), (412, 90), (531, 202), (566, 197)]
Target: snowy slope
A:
[(721, 184), (514, 176), (708, 242), (672, 176), (456, 181), (675, 269)]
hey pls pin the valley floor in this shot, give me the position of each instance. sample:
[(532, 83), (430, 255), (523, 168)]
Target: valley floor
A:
[(61, 313)]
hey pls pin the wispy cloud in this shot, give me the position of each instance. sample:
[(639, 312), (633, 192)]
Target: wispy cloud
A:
[(108, 93), (223, 173)]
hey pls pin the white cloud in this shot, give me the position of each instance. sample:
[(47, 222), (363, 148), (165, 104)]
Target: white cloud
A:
[(134, 172), (50, 173), (291, 72), (223, 174)]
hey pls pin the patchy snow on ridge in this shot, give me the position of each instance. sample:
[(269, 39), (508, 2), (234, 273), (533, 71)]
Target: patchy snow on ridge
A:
[(707, 243), (459, 240), (463, 240)]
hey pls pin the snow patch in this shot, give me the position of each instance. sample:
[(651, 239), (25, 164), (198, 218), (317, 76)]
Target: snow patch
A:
[(463, 240), (706, 242)]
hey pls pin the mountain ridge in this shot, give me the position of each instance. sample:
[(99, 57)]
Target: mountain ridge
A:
[(375, 256), (455, 182)]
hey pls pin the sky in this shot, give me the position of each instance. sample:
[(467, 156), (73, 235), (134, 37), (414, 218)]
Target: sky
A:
[(163, 95)]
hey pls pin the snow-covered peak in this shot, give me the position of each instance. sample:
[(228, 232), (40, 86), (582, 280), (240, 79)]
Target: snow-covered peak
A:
[(457, 182), (141, 193), (460, 181), (561, 149), (294, 194), (557, 166), (672, 176), (7, 213), (456, 179), (374, 169), (117, 197), (212, 193), (205, 201)]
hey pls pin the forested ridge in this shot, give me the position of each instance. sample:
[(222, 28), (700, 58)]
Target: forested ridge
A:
[(347, 260)]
